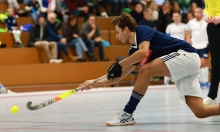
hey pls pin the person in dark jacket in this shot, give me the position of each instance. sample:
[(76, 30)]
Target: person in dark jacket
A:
[(71, 33), (137, 13), (38, 36), (147, 19), (54, 36)]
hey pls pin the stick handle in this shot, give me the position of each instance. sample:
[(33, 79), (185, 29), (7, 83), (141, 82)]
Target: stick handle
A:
[(95, 81)]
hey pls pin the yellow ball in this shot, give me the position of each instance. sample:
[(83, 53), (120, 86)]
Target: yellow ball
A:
[(14, 109)]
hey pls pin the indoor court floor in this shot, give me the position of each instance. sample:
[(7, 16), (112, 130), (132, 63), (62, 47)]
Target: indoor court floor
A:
[(160, 110)]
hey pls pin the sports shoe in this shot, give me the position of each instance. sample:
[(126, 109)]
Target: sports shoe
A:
[(58, 61), (122, 119), (208, 101)]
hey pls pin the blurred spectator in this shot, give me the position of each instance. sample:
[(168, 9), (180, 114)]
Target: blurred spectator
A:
[(153, 9), (61, 9), (192, 8), (12, 26), (78, 8), (103, 3), (71, 32), (176, 30), (33, 7), (164, 17), (13, 4), (175, 8), (47, 6), (52, 35), (117, 6), (38, 38), (91, 35), (189, 16), (147, 19), (137, 13), (200, 3), (144, 2), (91, 4), (197, 36)]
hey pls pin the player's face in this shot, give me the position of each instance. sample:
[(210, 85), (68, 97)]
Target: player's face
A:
[(121, 35), (176, 17), (198, 13)]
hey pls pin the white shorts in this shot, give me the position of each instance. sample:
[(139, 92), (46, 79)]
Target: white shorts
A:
[(184, 69)]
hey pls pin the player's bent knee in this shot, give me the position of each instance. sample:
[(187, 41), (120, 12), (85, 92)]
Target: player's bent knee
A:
[(146, 70)]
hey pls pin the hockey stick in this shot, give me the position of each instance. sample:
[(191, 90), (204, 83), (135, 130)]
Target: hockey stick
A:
[(62, 96)]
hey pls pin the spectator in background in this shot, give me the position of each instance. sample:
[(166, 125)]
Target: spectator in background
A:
[(104, 3), (13, 4), (33, 7), (61, 10), (38, 36), (117, 6), (71, 33), (189, 16), (52, 35), (153, 9), (176, 30), (164, 17), (196, 35), (12, 26), (78, 8), (147, 19), (91, 35), (199, 3), (192, 8), (91, 4), (47, 6), (175, 8), (144, 2), (137, 13)]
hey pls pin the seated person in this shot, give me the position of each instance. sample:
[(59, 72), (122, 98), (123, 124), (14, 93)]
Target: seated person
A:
[(38, 38), (77, 7), (147, 19), (12, 26), (13, 4), (52, 35), (153, 9), (137, 13), (71, 32), (47, 6), (91, 35), (33, 7)]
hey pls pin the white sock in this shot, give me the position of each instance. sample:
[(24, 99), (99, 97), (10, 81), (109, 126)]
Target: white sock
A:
[(17, 35), (166, 80), (205, 74)]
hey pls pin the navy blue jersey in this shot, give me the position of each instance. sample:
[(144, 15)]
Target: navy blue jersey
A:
[(10, 22), (160, 44)]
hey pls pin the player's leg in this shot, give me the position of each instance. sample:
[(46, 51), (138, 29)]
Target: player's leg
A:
[(199, 109), (154, 68)]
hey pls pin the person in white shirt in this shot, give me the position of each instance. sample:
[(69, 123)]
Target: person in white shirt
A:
[(176, 30), (199, 40)]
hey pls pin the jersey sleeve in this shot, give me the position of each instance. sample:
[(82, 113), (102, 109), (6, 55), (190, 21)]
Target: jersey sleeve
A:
[(144, 33), (168, 29), (187, 27)]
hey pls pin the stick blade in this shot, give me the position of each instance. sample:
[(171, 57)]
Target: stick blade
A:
[(31, 107)]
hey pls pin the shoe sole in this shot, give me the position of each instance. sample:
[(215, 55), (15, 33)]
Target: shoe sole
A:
[(107, 124)]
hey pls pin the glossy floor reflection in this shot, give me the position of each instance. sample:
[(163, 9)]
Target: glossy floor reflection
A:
[(161, 110)]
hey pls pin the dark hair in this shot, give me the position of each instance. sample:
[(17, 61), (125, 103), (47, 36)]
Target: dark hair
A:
[(124, 20), (92, 15), (71, 17), (178, 12)]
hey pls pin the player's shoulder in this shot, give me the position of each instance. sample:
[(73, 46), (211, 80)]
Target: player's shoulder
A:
[(142, 28)]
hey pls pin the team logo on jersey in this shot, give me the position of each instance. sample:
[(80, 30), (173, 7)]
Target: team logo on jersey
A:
[(144, 61)]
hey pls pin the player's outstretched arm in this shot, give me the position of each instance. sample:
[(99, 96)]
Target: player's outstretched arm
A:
[(87, 84)]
